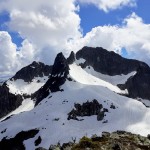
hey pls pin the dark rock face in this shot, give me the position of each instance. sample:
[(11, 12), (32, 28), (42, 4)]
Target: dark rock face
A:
[(16, 143), (36, 69), (87, 109), (38, 141), (111, 63), (40, 148), (138, 85), (57, 78), (71, 58), (107, 62), (8, 101)]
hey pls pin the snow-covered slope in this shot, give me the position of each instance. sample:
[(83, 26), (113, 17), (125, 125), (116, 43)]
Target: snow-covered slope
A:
[(117, 79), (78, 74), (19, 86), (27, 105), (50, 117)]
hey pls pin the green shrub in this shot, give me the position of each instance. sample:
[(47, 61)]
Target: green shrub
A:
[(86, 142)]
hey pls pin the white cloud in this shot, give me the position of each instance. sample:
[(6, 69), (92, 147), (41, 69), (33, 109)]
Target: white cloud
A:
[(48, 26), (12, 59), (8, 52), (107, 5), (52, 26), (133, 35)]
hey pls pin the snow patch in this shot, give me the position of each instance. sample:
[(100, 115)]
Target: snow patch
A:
[(117, 79), (21, 87), (81, 76), (80, 61), (26, 105)]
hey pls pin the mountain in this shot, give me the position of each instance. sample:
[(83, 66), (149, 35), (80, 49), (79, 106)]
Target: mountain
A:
[(85, 94), (17, 89), (106, 62), (57, 78), (36, 69), (112, 64)]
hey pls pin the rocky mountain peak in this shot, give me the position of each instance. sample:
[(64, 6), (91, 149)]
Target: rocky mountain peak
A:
[(71, 58), (60, 66), (57, 78), (107, 62), (36, 69)]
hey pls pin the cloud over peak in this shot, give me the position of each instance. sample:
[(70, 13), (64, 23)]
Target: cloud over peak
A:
[(133, 35)]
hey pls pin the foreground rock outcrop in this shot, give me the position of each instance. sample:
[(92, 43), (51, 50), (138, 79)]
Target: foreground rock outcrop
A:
[(119, 140)]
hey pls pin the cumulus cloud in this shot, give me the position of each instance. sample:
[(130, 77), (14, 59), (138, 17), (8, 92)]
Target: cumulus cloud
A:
[(7, 51), (107, 5), (52, 26), (48, 27), (11, 58), (133, 35)]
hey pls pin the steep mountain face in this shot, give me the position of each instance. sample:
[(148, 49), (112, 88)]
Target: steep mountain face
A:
[(71, 58), (36, 69), (57, 78), (8, 101), (138, 85), (107, 62)]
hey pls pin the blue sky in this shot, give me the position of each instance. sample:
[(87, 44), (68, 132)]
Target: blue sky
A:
[(91, 16), (38, 30)]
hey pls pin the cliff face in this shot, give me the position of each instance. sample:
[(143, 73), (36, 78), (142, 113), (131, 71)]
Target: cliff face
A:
[(138, 85), (106, 62), (110, 63), (8, 101), (57, 78)]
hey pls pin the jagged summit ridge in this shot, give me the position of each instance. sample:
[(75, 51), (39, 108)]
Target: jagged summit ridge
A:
[(112, 64), (100, 59), (36, 69), (57, 78), (71, 58), (106, 62)]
